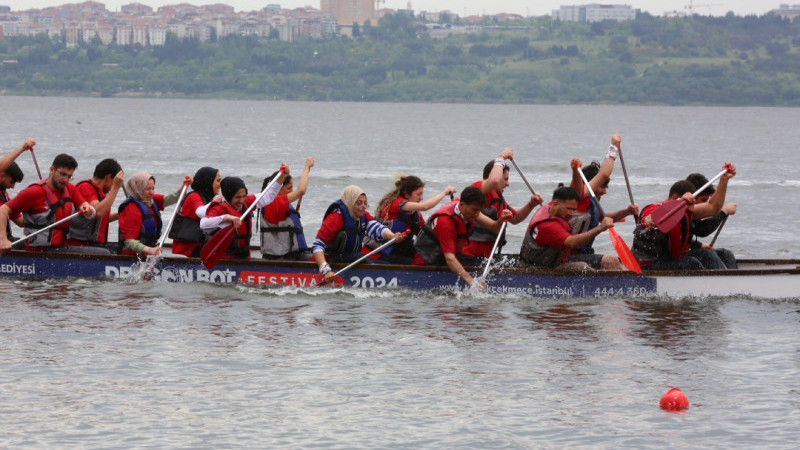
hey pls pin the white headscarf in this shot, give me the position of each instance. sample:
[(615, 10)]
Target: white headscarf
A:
[(137, 183), (349, 196)]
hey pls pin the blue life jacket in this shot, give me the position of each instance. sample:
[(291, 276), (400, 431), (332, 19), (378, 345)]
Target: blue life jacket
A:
[(151, 222), (351, 238)]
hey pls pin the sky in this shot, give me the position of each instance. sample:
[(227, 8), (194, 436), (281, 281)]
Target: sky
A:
[(460, 7)]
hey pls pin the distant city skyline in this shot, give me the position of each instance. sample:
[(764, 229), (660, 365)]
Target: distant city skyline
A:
[(460, 7)]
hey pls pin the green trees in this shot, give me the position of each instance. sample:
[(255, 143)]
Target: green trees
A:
[(698, 60)]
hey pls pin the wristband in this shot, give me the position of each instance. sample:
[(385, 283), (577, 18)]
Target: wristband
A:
[(499, 162), (325, 268), (613, 150)]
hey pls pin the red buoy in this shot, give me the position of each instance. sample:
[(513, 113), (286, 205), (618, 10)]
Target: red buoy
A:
[(674, 399)]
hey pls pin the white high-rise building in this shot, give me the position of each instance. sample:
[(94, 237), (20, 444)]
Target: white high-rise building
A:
[(594, 12)]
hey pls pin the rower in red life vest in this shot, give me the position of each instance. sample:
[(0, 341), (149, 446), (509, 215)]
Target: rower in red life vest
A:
[(495, 180), (401, 211), (444, 237), (44, 203), (10, 175), (550, 241), (228, 211), (588, 215), (100, 191), (656, 250), (187, 237)]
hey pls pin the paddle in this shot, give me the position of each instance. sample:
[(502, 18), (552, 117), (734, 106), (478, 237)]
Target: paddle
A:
[(359, 260), (36, 163), (623, 251), (218, 245), (716, 235), (45, 228), (627, 182), (522, 176), (172, 217), (668, 215), (494, 248)]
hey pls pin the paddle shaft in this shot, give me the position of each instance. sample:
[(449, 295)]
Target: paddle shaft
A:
[(172, 217), (36, 163), (46, 228), (627, 183), (494, 248), (710, 182), (716, 235), (591, 192), (623, 251), (522, 176), (359, 260)]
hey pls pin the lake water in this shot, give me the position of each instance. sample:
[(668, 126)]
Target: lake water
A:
[(110, 364)]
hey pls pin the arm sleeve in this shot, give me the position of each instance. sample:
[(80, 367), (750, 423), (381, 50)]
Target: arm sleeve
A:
[(269, 197), (327, 232), (704, 227)]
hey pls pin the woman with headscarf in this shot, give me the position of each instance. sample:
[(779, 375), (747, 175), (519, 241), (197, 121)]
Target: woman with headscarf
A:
[(187, 237), (341, 236), (228, 212), (140, 214)]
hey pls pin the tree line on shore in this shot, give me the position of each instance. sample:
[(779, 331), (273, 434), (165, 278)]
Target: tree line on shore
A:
[(730, 60)]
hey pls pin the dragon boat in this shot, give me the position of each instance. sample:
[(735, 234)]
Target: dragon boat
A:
[(760, 278)]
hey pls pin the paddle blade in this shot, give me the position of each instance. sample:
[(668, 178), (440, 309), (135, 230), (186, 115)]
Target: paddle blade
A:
[(217, 246), (624, 252), (668, 215)]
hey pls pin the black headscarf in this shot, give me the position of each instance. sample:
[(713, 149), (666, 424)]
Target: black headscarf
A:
[(230, 186), (203, 183)]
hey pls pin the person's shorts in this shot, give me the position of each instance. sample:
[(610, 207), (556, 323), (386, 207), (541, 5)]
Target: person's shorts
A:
[(594, 261)]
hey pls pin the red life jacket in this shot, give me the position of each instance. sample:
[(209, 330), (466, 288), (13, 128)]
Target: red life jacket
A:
[(240, 246), (59, 206), (427, 243)]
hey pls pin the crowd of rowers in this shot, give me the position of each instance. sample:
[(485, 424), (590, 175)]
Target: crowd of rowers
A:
[(460, 234)]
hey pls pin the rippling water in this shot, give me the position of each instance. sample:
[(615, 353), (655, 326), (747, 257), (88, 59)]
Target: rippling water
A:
[(102, 364)]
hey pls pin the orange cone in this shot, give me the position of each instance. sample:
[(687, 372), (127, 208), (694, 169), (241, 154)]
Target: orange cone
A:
[(674, 399)]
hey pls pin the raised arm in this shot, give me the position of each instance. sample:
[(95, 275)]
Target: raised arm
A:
[(302, 186), (429, 203), (495, 179), (103, 207), (714, 205), (6, 161), (604, 174)]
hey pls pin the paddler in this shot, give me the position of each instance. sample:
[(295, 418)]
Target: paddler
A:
[(495, 180), (551, 242), (228, 211), (10, 175), (100, 191), (44, 203), (656, 250), (444, 237)]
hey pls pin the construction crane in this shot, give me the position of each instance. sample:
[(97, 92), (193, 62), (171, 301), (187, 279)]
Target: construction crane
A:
[(691, 6)]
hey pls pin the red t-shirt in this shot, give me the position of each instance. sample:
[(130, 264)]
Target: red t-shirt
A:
[(484, 249), (130, 221), (276, 211), (190, 205), (553, 233), (446, 229), (33, 200)]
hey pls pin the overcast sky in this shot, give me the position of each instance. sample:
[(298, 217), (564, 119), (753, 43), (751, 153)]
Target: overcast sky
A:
[(461, 7)]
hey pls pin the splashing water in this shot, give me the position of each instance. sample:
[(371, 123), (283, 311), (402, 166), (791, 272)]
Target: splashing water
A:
[(143, 270)]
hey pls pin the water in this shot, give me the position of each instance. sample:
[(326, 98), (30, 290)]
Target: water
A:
[(102, 364)]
